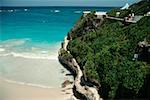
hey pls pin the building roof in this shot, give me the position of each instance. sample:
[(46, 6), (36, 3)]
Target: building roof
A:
[(100, 13), (86, 12), (96, 13)]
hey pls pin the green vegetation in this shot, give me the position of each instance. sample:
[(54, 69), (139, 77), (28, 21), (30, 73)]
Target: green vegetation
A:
[(143, 7), (105, 53), (64, 54), (123, 13)]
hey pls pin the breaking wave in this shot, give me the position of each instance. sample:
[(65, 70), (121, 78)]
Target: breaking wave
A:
[(26, 49)]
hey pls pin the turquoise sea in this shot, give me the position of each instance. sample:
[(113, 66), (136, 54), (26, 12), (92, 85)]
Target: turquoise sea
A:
[(30, 38)]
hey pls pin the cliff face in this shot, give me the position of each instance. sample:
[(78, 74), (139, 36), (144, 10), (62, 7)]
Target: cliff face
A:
[(113, 56), (80, 91), (87, 24)]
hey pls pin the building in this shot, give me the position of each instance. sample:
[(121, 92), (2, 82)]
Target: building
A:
[(98, 14), (86, 12)]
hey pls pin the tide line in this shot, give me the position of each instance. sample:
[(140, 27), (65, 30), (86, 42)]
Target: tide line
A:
[(25, 84)]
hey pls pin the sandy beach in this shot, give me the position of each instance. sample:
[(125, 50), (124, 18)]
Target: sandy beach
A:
[(12, 91), (43, 79), (35, 71)]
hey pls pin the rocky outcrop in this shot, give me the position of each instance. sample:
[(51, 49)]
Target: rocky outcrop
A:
[(67, 82), (90, 93)]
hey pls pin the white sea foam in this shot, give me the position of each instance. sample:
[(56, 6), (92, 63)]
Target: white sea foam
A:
[(31, 55), (25, 10), (77, 12), (56, 11), (13, 42), (2, 49), (20, 48), (10, 10), (25, 83)]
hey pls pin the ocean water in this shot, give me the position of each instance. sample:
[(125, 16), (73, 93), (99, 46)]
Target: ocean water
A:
[(30, 38)]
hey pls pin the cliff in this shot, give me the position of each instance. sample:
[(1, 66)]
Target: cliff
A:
[(81, 91), (112, 55)]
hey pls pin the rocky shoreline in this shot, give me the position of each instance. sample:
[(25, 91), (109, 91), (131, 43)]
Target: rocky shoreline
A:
[(82, 92)]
